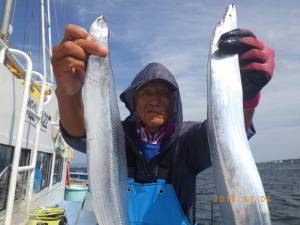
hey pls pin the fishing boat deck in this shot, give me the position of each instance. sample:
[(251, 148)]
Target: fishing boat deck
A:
[(76, 213)]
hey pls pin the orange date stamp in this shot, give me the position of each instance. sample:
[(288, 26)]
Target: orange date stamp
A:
[(245, 198)]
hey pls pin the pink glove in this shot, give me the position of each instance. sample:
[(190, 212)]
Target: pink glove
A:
[(256, 62)]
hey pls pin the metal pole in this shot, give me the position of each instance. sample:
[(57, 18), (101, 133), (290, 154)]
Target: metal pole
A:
[(6, 16), (43, 38), (17, 150), (36, 142), (49, 39)]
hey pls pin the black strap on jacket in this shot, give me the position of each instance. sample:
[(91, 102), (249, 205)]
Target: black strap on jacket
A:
[(159, 170)]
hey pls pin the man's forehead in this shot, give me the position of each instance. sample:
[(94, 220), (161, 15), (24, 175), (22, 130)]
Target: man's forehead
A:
[(156, 83)]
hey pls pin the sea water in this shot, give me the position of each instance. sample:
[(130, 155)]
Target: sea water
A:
[(281, 180)]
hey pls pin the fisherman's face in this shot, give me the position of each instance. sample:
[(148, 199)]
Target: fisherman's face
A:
[(154, 104)]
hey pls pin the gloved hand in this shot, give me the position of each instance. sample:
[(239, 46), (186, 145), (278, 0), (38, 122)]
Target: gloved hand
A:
[(256, 62)]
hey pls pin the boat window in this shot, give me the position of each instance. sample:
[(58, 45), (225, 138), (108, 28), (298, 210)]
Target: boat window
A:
[(6, 156), (23, 176), (5, 162), (58, 167), (42, 171)]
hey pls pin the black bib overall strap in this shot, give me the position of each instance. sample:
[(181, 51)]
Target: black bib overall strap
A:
[(155, 170)]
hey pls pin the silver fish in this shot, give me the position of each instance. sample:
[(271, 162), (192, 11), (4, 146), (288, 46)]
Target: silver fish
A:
[(107, 168), (236, 176)]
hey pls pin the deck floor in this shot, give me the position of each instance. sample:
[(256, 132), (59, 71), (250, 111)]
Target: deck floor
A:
[(77, 214)]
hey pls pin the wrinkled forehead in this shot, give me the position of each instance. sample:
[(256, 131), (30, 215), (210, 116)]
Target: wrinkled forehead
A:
[(157, 83)]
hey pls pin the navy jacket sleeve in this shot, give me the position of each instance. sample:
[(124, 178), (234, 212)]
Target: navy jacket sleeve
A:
[(198, 154), (198, 148), (78, 143)]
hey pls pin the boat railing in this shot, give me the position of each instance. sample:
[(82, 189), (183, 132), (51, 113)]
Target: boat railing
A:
[(15, 168), (4, 170), (13, 64), (16, 67)]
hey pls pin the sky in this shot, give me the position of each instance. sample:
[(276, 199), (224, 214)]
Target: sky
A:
[(177, 34)]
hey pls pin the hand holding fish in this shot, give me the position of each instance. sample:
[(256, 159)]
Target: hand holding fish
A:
[(256, 61), (69, 61), (69, 58)]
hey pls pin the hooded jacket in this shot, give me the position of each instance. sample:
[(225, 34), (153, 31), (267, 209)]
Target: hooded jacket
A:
[(183, 155)]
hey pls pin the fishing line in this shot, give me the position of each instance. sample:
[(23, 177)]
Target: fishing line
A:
[(30, 30), (56, 21), (26, 25), (64, 13), (40, 46), (13, 14)]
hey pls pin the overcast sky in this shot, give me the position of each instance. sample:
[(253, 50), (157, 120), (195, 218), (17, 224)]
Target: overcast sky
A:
[(176, 33)]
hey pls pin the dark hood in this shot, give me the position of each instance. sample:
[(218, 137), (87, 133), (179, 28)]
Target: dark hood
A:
[(151, 72)]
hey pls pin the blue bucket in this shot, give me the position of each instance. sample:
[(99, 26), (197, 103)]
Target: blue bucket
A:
[(75, 193)]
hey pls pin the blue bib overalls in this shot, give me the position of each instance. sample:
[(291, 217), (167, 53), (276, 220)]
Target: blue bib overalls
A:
[(153, 203)]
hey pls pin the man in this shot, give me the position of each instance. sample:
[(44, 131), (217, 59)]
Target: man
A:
[(163, 152)]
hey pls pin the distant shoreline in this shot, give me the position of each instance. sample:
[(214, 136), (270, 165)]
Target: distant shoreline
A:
[(279, 161)]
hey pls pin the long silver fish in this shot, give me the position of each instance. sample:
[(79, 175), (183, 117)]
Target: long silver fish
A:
[(107, 168), (236, 177)]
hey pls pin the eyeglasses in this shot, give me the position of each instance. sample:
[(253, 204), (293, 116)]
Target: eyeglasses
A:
[(147, 93)]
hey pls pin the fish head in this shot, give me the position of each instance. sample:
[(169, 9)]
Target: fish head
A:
[(99, 31)]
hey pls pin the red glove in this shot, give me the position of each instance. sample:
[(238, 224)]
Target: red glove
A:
[(256, 62)]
